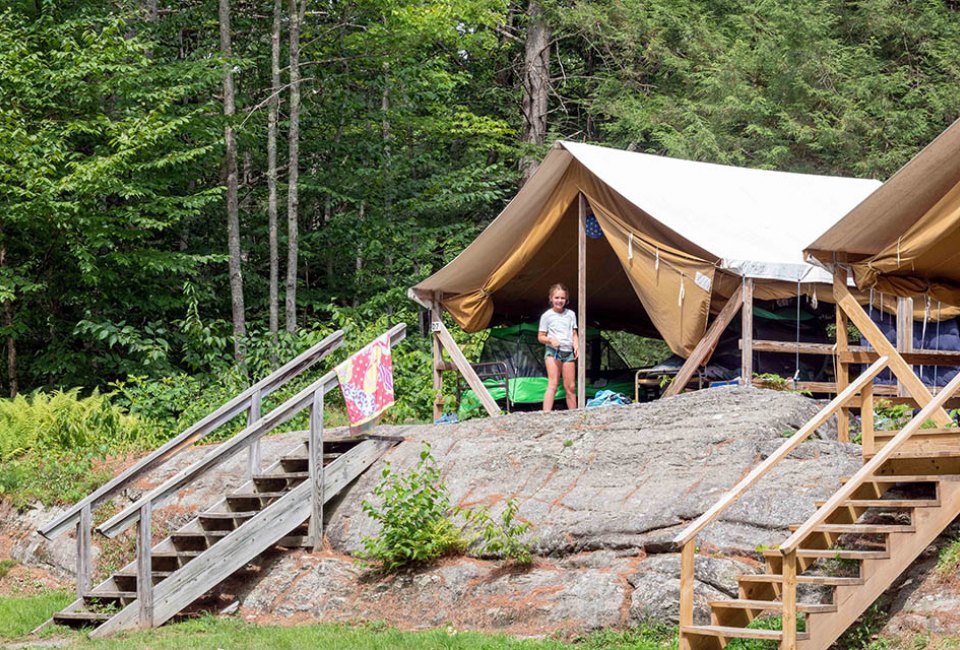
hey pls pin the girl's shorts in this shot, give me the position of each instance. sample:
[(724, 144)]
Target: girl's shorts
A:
[(563, 356)]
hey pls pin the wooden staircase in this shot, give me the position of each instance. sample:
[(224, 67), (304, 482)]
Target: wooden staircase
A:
[(280, 505), (268, 510), (853, 548)]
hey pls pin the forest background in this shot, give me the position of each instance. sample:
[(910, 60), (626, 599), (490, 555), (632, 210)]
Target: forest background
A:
[(191, 191)]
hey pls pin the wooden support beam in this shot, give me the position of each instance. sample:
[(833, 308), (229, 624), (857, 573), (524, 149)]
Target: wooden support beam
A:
[(924, 358), (582, 302), (84, 556), (254, 456), (145, 568), (456, 355), (843, 373), (872, 333), (867, 442), (315, 468), (701, 354), (436, 315), (746, 334)]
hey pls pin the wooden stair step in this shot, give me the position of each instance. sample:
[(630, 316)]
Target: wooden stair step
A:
[(110, 595), (906, 478), (245, 514), (861, 529), (738, 632), (921, 454), (772, 605), (133, 574), (256, 495), (834, 554), (193, 534), (888, 503), (88, 617), (834, 581), (176, 554), (306, 459), (928, 432), (292, 476)]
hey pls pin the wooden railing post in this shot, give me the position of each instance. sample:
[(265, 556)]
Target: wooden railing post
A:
[(788, 595), (867, 442), (687, 557), (315, 465), (843, 375), (904, 334), (254, 458), (84, 526), (145, 568)]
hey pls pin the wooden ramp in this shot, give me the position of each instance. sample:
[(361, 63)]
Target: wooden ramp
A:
[(268, 510)]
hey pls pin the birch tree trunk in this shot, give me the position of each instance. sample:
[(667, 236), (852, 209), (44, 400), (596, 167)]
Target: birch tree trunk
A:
[(293, 175), (272, 116), (230, 165), (536, 83)]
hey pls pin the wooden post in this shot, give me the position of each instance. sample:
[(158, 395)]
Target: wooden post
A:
[(253, 460), (789, 598), (843, 372), (582, 302), (145, 568), (687, 557), (868, 446), (315, 466), (904, 334), (746, 334), (701, 353), (437, 316), (84, 527)]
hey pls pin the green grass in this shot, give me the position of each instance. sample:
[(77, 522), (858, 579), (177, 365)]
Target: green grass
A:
[(19, 616), (949, 558)]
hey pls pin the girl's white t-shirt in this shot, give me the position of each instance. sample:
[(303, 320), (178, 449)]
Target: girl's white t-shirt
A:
[(560, 326)]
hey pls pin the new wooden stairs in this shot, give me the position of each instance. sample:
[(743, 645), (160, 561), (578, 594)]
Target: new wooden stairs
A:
[(853, 548), (280, 505)]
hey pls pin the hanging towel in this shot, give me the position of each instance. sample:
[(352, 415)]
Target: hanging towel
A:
[(366, 380)]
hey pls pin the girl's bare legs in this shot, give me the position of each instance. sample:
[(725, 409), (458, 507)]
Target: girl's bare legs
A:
[(553, 380), (570, 383)]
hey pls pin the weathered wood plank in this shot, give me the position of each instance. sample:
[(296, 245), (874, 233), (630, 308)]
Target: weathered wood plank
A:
[(315, 465), (253, 415), (703, 350), (144, 601), (84, 558)]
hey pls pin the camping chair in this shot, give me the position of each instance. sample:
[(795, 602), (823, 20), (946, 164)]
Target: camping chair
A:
[(489, 370)]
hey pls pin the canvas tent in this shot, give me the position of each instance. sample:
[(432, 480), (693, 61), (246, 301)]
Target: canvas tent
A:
[(678, 239)]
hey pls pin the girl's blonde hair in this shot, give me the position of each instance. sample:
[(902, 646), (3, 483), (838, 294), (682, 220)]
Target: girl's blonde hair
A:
[(559, 286)]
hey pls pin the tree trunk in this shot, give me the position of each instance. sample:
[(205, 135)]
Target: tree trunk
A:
[(230, 164), (272, 115), (536, 83), (293, 138), (8, 325)]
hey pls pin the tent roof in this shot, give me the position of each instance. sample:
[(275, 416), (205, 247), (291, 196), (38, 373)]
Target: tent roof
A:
[(753, 221), (905, 237)]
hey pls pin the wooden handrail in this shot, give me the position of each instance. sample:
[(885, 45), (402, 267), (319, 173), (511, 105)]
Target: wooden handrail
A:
[(760, 470), (283, 413), (865, 472), (195, 433)]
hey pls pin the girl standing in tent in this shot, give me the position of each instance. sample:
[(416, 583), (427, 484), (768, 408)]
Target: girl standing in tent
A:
[(558, 331)]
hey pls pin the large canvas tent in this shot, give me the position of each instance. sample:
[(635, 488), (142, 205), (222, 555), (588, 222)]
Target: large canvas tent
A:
[(678, 239)]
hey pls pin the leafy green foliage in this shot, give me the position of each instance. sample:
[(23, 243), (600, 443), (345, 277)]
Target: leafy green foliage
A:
[(504, 539), (415, 517), (949, 559)]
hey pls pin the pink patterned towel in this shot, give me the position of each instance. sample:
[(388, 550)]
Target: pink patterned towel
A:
[(366, 380)]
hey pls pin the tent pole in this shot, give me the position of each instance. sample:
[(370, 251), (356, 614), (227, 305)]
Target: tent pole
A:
[(436, 314), (582, 302), (746, 334), (904, 334)]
